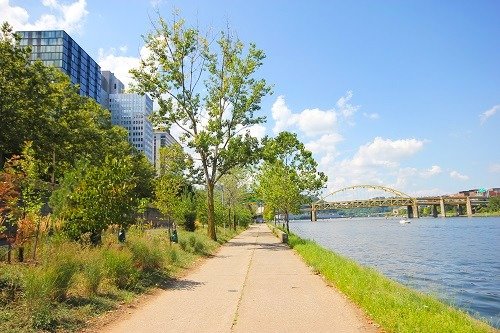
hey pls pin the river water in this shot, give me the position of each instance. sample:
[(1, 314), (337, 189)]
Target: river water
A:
[(454, 259)]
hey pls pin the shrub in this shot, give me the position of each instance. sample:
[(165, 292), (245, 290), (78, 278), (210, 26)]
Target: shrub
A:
[(189, 221), (120, 268), (173, 256), (146, 257), (38, 289), (11, 280), (183, 244), (93, 272)]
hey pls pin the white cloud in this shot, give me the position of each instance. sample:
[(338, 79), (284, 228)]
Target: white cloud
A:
[(120, 64), (258, 131), (488, 113), (314, 121), (344, 107), (281, 114), (376, 163), (69, 17), (434, 170), (325, 143), (404, 175), (385, 152), (372, 116), (494, 168), (457, 175)]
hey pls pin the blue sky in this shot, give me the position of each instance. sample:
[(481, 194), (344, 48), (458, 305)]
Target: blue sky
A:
[(399, 93)]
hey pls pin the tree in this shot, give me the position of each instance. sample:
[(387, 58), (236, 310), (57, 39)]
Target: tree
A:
[(21, 196), (209, 91), (288, 175), (14, 77), (173, 191), (235, 191), (91, 198), (494, 204)]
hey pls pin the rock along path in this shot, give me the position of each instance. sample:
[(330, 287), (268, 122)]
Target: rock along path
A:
[(253, 284)]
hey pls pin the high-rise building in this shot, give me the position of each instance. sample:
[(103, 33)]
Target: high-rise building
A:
[(131, 111), (161, 139), (110, 84), (56, 48)]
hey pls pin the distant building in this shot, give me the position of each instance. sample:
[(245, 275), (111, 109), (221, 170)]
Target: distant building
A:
[(131, 111), (494, 192), (110, 84), (56, 48), (161, 139)]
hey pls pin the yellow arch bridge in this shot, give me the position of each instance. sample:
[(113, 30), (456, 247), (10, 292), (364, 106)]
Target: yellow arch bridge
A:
[(397, 198)]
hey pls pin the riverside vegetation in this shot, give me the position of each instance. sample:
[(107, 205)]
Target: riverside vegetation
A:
[(71, 283), (393, 306)]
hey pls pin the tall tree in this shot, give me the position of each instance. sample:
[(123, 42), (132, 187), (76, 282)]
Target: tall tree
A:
[(14, 74), (235, 189), (288, 175), (173, 190), (91, 197), (209, 91)]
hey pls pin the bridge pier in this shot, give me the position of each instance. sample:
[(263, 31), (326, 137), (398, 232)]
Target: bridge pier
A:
[(443, 210), (434, 211), (415, 211), (412, 211), (469, 207), (313, 214), (459, 210)]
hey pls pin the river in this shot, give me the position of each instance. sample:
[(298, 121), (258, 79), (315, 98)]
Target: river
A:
[(454, 259)]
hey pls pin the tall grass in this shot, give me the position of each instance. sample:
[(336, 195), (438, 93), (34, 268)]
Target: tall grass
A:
[(71, 282), (119, 267), (395, 307)]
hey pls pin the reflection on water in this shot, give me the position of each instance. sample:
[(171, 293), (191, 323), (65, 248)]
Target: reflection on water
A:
[(455, 259)]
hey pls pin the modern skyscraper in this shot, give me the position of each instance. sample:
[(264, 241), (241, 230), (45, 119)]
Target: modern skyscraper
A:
[(56, 48), (131, 111), (110, 84), (161, 139)]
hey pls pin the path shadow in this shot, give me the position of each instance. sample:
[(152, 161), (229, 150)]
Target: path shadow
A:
[(264, 246), (181, 284)]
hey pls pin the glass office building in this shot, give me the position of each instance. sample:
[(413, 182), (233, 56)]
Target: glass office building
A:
[(56, 48), (161, 139), (131, 111)]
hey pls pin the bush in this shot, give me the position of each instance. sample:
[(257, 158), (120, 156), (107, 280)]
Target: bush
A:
[(11, 281), (146, 257), (93, 272), (38, 291), (173, 256), (120, 268), (189, 221)]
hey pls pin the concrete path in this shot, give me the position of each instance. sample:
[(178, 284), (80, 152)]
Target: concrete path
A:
[(253, 284)]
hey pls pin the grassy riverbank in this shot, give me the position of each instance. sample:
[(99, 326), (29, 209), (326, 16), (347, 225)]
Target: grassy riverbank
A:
[(69, 284), (395, 307)]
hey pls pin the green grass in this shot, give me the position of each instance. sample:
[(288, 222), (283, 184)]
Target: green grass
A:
[(393, 306), (69, 283)]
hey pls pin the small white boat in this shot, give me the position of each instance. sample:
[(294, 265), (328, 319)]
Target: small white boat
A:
[(404, 221)]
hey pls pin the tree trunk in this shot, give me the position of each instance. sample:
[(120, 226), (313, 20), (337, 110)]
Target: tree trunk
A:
[(211, 211), (286, 220), (53, 176)]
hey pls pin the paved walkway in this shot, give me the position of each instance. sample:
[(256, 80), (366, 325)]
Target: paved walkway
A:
[(253, 284)]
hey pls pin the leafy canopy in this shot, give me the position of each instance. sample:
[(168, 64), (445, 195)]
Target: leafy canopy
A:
[(207, 89)]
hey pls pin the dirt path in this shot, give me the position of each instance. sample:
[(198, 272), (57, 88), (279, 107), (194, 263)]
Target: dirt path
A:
[(253, 284)]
